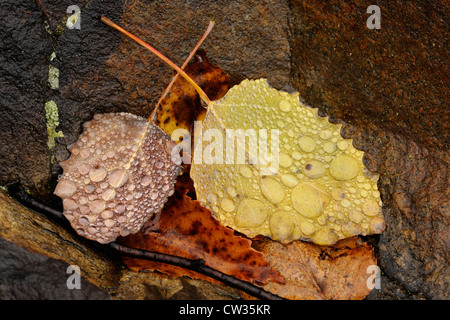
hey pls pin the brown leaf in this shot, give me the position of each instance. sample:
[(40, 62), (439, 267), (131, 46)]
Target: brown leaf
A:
[(186, 229), (319, 272), (181, 106)]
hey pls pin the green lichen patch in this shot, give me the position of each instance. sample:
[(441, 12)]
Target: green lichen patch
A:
[(52, 117), (53, 77)]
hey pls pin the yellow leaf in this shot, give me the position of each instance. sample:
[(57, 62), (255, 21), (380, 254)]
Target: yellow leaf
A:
[(267, 165)]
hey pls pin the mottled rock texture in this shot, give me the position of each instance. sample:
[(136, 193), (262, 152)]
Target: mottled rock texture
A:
[(29, 276), (25, 48), (395, 78)]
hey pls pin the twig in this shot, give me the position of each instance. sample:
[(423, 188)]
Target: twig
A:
[(25, 199), (41, 5), (197, 265)]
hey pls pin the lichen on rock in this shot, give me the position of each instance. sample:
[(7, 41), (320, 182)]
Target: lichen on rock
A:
[(320, 190), (52, 117)]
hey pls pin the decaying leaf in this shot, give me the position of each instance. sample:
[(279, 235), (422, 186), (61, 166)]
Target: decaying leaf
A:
[(119, 174), (186, 229), (338, 272), (308, 183), (182, 106)]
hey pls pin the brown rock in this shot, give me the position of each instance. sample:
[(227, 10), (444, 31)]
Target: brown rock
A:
[(395, 77)]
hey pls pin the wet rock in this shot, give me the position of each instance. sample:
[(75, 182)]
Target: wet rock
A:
[(393, 77), (25, 48), (29, 276), (413, 249), (389, 85)]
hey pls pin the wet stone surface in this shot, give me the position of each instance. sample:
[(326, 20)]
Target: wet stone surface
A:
[(24, 275)]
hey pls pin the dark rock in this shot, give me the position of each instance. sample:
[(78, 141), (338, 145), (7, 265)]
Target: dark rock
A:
[(25, 48), (28, 276), (413, 183)]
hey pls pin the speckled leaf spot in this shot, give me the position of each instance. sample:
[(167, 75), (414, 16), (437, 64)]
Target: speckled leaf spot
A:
[(119, 174), (321, 191)]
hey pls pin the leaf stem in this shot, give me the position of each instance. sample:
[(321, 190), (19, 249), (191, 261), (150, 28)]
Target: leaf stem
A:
[(208, 30), (202, 94)]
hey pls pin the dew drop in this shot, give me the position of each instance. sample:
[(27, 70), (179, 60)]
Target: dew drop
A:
[(284, 105), (83, 168), (371, 208), (272, 189), (154, 195), (84, 153), (107, 214), (307, 228), (245, 171), (285, 160), (344, 167), (346, 203), (65, 189), (83, 221), (329, 147), (146, 180), (232, 192), (325, 134), (281, 225), (118, 178), (109, 223), (227, 205), (309, 200), (97, 206), (314, 169), (125, 232), (307, 144), (289, 180), (250, 213), (89, 188), (119, 208), (97, 174), (69, 204), (108, 194), (212, 198), (342, 145)]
